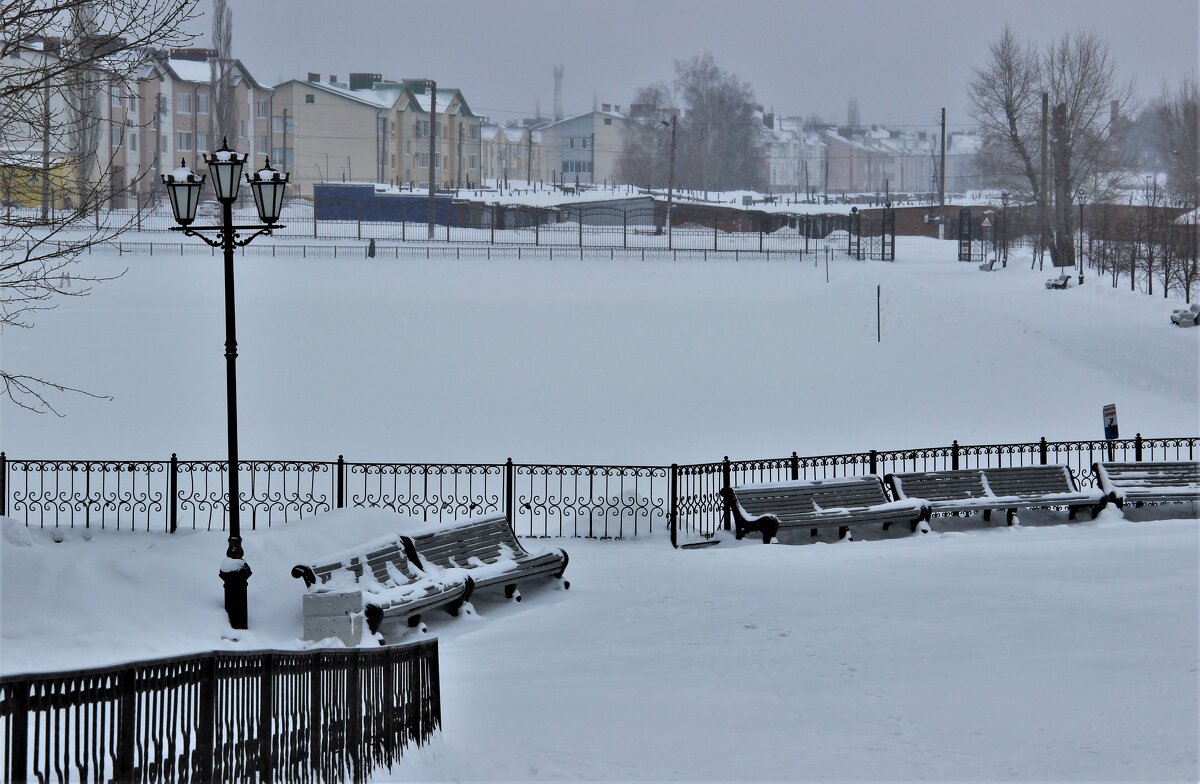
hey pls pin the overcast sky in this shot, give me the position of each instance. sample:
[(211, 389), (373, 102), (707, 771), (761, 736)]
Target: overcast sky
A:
[(902, 59)]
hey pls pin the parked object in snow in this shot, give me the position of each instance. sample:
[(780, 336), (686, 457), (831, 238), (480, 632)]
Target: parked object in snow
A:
[(1058, 283), (1186, 317)]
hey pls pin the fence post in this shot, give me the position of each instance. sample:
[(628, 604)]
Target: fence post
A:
[(266, 702), (954, 455), (1137, 447), (315, 723), (340, 479), (581, 227), (674, 514), (18, 752), (537, 226), (354, 703), (509, 492), (625, 228), (760, 237), (795, 466), (3, 484), (726, 521), (173, 492), (206, 741), (1042, 450), (126, 725), (874, 461)]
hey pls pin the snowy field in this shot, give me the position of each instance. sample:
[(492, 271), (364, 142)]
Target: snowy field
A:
[(1041, 652)]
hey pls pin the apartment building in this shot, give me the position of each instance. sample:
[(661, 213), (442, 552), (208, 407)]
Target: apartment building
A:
[(374, 130), (586, 148)]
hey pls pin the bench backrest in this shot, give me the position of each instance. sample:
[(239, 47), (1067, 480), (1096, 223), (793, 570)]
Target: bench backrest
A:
[(487, 538), (387, 563), (789, 499), (938, 485), (1165, 474), (1030, 481)]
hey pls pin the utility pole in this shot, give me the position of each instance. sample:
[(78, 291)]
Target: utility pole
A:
[(528, 155), (592, 173), (458, 168), (286, 158), (432, 151), (46, 152), (942, 180)]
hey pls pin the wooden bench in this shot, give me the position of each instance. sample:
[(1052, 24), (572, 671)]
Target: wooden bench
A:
[(987, 489), (488, 551), (374, 581), (1141, 483), (782, 510), (1058, 283), (988, 266)]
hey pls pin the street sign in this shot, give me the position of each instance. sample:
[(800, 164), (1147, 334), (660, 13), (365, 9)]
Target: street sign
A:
[(1110, 422), (987, 222)]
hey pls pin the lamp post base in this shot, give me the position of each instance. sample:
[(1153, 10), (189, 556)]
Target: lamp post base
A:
[(235, 580)]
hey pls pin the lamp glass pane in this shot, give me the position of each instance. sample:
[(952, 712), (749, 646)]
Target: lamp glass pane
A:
[(185, 198), (268, 198)]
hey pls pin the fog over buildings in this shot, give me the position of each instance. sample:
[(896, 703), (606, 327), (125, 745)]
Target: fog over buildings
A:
[(903, 61)]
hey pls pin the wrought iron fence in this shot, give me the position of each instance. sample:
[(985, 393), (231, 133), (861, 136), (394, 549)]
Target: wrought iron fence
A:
[(544, 500), (313, 716), (540, 499)]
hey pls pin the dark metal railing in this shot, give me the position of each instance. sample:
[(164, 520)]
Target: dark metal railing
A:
[(305, 716), (540, 499)]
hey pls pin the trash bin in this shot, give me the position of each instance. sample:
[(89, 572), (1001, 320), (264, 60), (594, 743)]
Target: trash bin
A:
[(371, 249)]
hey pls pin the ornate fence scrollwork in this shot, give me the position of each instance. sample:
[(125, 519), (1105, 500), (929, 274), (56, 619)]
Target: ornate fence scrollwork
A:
[(600, 502), (431, 492)]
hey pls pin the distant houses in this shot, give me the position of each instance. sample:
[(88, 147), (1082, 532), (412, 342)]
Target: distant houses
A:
[(376, 130)]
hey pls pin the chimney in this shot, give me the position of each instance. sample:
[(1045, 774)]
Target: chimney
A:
[(1114, 117), (606, 107), (314, 77), (333, 78)]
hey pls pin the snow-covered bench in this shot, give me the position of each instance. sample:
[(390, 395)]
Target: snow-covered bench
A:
[(1140, 483), (488, 551), (985, 489), (784, 509), (1186, 317), (374, 581), (1058, 283), (988, 266)]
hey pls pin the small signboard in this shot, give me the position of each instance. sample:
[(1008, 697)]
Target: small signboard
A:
[(987, 222), (1110, 422)]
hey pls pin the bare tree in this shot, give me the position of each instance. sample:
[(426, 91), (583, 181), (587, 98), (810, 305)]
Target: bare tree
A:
[(223, 119), (1177, 137), (60, 60), (717, 138), (1078, 75)]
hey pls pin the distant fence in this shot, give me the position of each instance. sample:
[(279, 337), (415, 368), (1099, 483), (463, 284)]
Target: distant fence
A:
[(298, 716), (692, 227), (540, 500)]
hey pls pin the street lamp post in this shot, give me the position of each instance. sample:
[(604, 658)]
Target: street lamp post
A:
[(183, 187), (1004, 226)]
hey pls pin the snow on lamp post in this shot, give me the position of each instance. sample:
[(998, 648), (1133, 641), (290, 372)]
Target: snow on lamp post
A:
[(183, 188)]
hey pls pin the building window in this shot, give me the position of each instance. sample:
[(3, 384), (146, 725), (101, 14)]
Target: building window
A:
[(201, 142), (472, 161), (184, 141), (308, 98), (133, 141), (116, 97), (116, 135), (132, 105), (584, 142), (422, 160), (261, 146), (242, 129), (608, 121), (281, 157), (473, 131), (276, 125), (572, 141), (260, 108), (183, 103), (202, 103), (408, 146), (577, 167)]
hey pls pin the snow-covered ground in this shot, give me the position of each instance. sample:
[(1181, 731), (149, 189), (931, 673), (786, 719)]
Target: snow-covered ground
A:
[(1043, 652)]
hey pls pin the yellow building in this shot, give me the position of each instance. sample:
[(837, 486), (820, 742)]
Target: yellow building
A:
[(21, 181)]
